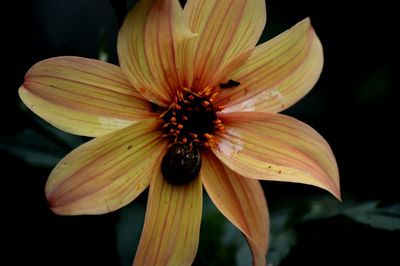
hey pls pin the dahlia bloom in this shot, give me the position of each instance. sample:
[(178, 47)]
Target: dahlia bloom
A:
[(193, 103)]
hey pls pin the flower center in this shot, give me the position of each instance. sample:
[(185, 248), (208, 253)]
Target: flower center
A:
[(189, 125)]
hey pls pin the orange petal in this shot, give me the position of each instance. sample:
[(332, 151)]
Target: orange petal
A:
[(108, 172), (148, 48), (276, 74), (83, 96), (276, 147), (172, 224), (241, 200), (225, 29)]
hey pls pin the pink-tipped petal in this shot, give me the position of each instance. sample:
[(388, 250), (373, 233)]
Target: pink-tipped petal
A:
[(148, 48), (107, 172), (276, 147), (276, 74), (172, 225), (241, 200), (83, 96), (224, 28)]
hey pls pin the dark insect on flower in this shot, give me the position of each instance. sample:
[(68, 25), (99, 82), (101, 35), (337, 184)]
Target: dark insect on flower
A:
[(181, 164), (230, 84)]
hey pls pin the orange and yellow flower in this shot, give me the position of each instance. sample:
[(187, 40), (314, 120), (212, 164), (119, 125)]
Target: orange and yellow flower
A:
[(193, 103)]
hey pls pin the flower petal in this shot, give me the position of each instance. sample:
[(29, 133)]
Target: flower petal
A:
[(225, 29), (276, 74), (241, 200), (172, 224), (148, 48), (107, 172), (83, 96), (276, 147)]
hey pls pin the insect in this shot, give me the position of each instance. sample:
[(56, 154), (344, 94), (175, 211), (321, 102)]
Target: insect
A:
[(181, 164), (230, 84)]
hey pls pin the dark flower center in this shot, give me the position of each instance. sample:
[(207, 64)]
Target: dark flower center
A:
[(192, 119), (189, 125)]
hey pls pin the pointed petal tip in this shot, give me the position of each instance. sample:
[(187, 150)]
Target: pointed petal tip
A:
[(333, 189), (60, 208), (107, 172), (241, 200), (82, 96), (276, 74), (57, 210), (338, 194), (278, 148)]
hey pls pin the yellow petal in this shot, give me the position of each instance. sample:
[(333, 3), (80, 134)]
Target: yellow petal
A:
[(241, 200), (276, 147), (276, 74), (148, 48), (107, 172), (225, 29), (83, 96), (172, 224)]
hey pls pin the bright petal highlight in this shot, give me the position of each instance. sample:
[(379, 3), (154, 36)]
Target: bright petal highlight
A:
[(225, 28), (277, 147), (106, 173), (148, 48), (276, 74), (172, 225), (241, 200), (83, 96)]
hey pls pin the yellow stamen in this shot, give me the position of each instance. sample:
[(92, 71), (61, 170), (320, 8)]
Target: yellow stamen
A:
[(219, 108), (205, 103), (207, 91), (221, 127), (208, 136), (212, 98)]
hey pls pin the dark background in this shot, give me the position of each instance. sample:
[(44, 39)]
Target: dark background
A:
[(354, 106)]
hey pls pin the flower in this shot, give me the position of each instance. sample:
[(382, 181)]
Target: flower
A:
[(194, 102)]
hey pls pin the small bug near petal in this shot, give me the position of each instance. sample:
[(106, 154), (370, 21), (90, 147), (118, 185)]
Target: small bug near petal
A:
[(230, 84), (181, 164)]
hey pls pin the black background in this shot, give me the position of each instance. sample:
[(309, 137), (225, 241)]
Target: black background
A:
[(354, 106)]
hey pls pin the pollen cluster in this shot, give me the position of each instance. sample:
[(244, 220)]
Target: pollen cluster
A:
[(191, 119)]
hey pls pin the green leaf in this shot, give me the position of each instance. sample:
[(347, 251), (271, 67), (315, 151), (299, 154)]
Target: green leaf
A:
[(42, 145), (128, 231), (32, 148), (282, 235), (217, 244), (387, 218)]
